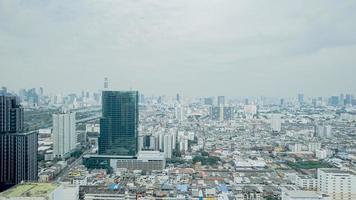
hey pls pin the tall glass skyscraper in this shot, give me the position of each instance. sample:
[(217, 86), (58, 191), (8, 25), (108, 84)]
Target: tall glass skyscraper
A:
[(119, 123)]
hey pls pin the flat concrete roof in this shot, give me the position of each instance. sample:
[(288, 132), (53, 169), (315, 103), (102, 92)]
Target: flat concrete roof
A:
[(30, 190)]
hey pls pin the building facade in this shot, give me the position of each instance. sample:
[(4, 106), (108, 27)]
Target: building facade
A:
[(64, 134), (338, 184), (119, 123), (18, 150)]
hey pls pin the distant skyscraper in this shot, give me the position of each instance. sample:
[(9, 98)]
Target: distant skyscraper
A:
[(221, 100), (148, 142), (301, 98), (342, 100), (3, 90), (142, 99), (282, 102), (179, 112), (167, 145), (209, 101), (119, 123), (228, 113), (219, 113), (106, 83), (276, 122), (18, 150), (159, 100), (314, 102), (246, 101), (334, 101), (323, 131), (41, 91), (348, 99), (64, 134)]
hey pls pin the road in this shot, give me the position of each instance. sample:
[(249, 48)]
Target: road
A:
[(66, 170)]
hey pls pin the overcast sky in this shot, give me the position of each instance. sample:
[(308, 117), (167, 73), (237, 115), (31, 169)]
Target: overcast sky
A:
[(194, 47)]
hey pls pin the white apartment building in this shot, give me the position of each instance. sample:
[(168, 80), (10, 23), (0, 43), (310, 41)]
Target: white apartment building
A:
[(64, 135), (340, 185), (307, 182), (167, 145), (313, 146), (321, 153), (296, 147), (276, 122)]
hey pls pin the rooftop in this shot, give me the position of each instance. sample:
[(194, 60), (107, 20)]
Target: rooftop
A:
[(30, 190), (303, 194), (336, 171)]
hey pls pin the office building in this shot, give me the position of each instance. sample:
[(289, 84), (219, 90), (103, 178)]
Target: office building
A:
[(307, 182), (322, 153), (341, 99), (228, 113), (11, 115), (146, 161), (281, 102), (250, 111), (334, 101), (221, 113), (168, 145), (221, 101), (301, 98), (179, 113), (64, 134), (148, 142), (303, 195), (323, 131), (106, 83), (216, 113), (18, 150), (348, 99), (276, 122), (338, 184), (297, 147), (3, 90), (209, 101), (119, 123), (313, 146)]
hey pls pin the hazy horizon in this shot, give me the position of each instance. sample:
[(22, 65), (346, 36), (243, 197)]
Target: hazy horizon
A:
[(195, 48)]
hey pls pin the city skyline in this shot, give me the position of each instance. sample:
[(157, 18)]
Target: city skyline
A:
[(173, 95), (194, 48), (177, 100)]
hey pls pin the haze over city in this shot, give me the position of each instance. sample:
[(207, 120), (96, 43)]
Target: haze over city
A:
[(177, 100), (210, 47)]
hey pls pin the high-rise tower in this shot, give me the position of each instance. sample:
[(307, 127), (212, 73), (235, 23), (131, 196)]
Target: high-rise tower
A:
[(64, 135), (221, 101), (106, 83), (119, 123), (18, 150)]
